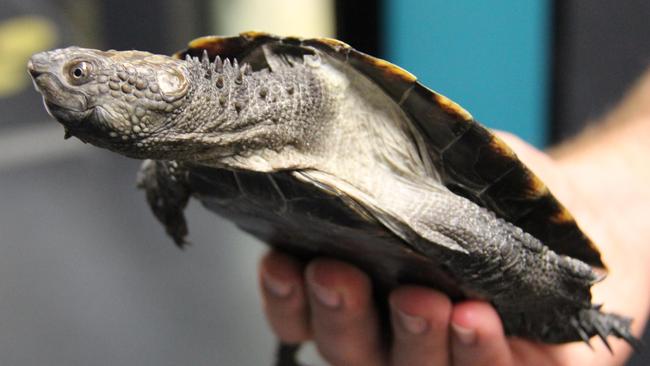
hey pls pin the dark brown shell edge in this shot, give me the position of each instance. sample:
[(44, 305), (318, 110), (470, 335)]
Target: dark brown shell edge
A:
[(472, 161)]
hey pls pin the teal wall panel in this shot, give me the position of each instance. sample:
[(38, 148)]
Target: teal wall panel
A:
[(492, 57)]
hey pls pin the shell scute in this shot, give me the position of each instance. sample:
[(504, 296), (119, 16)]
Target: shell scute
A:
[(226, 47), (393, 80), (515, 194), (452, 107), (335, 44), (441, 128), (473, 162)]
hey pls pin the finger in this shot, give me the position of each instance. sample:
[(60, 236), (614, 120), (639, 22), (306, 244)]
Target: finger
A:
[(343, 319), (283, 293), (420, 320), (477, 336)]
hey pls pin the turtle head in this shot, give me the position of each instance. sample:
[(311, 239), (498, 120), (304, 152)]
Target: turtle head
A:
[(113, 99)]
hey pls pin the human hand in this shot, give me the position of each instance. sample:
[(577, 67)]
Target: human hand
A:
[(330, 302)]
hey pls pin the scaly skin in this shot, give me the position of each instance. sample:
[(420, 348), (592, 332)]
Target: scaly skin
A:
[(303, 117), (151, 106)]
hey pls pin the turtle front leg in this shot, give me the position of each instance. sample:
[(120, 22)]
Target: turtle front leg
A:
[(165, 184)]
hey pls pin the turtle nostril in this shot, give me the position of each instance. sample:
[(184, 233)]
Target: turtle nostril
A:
[(32, 70), (34, 73)]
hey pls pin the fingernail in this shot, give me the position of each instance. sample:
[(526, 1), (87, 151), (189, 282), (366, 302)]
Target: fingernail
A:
[(276, 287), (464, 335), (413, 324), (325, 296)]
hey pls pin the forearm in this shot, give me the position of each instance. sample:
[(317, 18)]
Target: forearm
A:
[(609, 166), (619, 144), (611, 171)]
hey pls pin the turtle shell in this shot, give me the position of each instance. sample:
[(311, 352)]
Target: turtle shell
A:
[(471, 161)]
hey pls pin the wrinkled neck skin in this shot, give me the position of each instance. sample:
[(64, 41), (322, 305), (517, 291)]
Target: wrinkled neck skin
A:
[(310, 115), (235, 118)]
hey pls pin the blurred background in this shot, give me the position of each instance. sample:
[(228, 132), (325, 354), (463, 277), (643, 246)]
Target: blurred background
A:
[(87, 277)]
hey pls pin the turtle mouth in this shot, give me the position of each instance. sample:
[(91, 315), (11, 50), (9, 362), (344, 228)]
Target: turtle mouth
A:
[(56, 94), (69, 117)]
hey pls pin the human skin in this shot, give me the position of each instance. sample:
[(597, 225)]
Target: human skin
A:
[(601, 177)]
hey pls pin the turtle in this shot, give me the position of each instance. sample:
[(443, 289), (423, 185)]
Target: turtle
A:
[(318, 149)]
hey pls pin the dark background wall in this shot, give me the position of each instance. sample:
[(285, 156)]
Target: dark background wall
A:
[(601, 48)]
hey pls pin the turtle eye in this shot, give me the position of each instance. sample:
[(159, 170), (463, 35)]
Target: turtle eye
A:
[(79, 72)]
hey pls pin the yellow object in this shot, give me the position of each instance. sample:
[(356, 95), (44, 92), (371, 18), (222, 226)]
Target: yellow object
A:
[(305, 18), (20, 37)]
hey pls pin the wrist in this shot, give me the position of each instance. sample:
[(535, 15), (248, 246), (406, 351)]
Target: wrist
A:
[(611, 171)]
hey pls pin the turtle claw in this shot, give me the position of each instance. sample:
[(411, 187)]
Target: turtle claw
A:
[(635, 343), (593, 322), (180, 241), (602, 334), (581, 332)]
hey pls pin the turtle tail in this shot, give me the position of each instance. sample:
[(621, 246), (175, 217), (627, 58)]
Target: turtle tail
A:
[(592, 322)]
